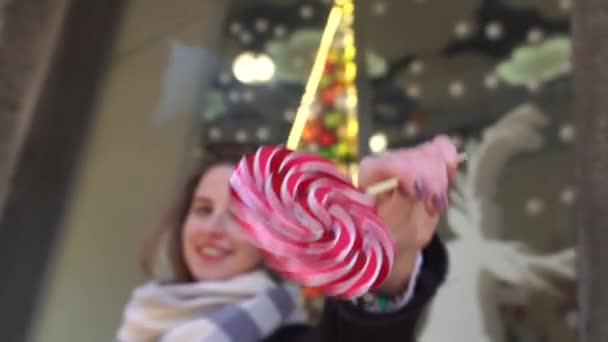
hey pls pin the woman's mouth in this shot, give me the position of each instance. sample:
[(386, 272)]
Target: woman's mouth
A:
[(212, 253)]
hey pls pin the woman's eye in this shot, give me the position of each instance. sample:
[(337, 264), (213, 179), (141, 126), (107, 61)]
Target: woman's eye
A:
[(202, 209)]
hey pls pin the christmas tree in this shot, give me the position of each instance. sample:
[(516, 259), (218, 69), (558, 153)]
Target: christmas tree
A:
[(326, 121)]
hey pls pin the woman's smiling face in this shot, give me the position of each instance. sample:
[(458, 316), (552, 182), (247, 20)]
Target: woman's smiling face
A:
[(213, 247)]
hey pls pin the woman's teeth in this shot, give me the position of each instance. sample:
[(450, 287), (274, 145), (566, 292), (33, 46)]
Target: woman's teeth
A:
[(210, 251)]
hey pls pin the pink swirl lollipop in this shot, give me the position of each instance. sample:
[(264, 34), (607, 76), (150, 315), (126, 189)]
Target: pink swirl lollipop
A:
[(310, 222)]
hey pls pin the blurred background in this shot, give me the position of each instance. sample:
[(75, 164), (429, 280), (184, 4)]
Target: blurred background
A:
[(123, 96)]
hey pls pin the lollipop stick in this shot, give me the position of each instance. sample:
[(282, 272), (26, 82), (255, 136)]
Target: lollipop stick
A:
[(393, 183), (383, 186)]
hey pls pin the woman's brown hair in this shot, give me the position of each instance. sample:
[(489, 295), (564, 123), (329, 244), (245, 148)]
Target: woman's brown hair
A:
[(172, 223)]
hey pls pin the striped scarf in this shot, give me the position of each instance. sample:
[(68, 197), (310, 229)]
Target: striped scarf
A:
[(249, 307)]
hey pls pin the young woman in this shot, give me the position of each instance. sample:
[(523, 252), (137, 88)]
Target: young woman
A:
[(221, 291)]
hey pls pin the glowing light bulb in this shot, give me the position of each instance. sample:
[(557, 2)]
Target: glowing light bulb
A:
[(378, 143), (253, 68)]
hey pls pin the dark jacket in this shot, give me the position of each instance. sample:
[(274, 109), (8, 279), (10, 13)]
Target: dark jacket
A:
[(343, 321)]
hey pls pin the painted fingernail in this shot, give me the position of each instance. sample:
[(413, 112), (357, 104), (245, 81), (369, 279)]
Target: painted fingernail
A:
[(445, 203), (420, 189), (437, 203)]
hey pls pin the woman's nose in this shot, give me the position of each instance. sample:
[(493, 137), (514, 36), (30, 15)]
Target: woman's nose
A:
[(216, 222)]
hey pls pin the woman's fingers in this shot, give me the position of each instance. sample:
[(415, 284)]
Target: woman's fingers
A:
[(423, 175), (424, 171), (448, 151), (390, 165)]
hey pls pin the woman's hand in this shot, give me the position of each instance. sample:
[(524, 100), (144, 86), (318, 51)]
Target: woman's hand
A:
[(412, 211)]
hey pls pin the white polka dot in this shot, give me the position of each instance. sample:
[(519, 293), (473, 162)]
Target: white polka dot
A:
[(567, 196), (567, 133), (490, 81), (462, 29), (241, 136), (209, 115), (565, 5), (413, 90), (215, 133), (416, 67), (224, 78), (246, 37), (379, 8), (378, 142), (494, 30), (263, 133), (298, 62), (534, 206), (456, 89), (248, 95), (235, 28), (533, 86), (261, 25), (535, 35), (306, 12), (289, 115), (411, 129), (234, 96), (280, 31), (197, 153)]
